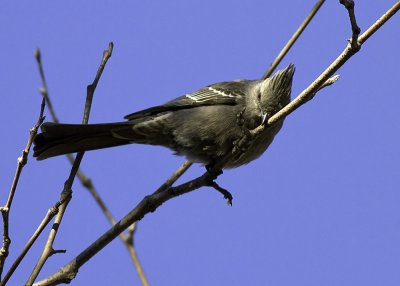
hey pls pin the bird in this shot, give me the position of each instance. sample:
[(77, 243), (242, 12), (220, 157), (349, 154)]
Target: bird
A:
[(203, 125)]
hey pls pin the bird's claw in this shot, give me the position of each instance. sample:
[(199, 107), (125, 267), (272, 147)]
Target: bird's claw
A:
[(227, 195), (239, 146)]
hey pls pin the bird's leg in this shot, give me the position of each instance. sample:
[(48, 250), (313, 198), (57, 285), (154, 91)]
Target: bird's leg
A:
[(240, 117), (212, 172), (227, 195)]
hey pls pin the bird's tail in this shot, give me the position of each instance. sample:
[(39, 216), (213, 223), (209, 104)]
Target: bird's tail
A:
[(58, 139)]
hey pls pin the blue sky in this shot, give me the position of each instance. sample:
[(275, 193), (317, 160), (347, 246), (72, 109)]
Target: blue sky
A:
[(320, 207)]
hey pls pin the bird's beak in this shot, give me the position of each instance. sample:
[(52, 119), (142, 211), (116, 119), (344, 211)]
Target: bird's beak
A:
[(264, 117)]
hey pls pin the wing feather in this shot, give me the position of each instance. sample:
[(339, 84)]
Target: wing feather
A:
[(224, 93)]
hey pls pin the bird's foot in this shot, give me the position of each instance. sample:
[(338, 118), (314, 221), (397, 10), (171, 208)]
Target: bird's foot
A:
[(241, 144), (227, 195), (241, 122)]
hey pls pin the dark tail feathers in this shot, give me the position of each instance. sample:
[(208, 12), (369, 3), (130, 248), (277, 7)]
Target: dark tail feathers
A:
[(58, 139)]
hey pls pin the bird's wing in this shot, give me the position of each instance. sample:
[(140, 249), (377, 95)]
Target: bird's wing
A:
[(223, 93)]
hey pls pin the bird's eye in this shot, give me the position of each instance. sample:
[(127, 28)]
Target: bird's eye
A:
[(259, 96)]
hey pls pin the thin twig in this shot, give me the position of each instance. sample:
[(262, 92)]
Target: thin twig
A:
[(46, 220), (381, 21), (329, 81), (127, 239), (152, 202), (293, 39), (86, 181), (175, 176), (44, 90), (340, 60), (67, 191), (92, 87), (129, 243), (349, 5), (65, 196), (21, 162)]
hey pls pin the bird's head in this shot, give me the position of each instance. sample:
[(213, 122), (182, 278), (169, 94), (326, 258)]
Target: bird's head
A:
[(275, 91)]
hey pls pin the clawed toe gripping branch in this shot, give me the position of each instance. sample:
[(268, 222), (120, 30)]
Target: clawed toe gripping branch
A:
[(227, 195)]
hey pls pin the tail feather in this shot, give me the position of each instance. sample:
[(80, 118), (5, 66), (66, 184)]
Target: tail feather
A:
[(58, 139)]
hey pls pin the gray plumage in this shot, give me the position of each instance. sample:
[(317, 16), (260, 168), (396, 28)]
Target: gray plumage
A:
[(203, 125)]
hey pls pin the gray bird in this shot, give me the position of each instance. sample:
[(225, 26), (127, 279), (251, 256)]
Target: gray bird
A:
[(203, 125)]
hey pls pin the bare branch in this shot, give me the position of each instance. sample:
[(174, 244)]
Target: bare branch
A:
[(67, 191), (92, 87), (46, 220), (330, 81), (379, 23), (21, 162), (293, 39), (175, 176), (44, 90), (86, 181), (127, 239), (129, 243), (349, 5), (340, 60)]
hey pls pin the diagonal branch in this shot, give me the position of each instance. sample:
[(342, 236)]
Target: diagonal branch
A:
[(88, 183), (67, 191), (293, 39), (21, 162), (174, 177), (46, 220), (329, 71), (349, 5)]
